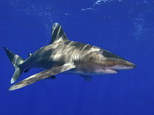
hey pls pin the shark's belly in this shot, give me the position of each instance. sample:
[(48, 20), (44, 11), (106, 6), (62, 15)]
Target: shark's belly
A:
[(91, 69)]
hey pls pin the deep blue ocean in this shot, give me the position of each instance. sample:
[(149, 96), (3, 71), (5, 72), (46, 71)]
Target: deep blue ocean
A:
[(124, 27)]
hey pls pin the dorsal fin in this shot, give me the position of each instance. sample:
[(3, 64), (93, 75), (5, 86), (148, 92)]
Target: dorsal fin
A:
[(58, 33)]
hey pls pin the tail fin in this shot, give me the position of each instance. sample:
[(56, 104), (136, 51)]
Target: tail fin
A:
[(16, 60)]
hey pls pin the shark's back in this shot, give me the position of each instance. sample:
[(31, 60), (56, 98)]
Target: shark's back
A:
[(58, 53)]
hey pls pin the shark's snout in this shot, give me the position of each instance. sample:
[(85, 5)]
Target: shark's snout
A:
[(130, 64), (120, 64), (116, 62)]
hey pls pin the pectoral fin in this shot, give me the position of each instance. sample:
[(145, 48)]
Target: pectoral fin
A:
[(87, 77), (42, 75)]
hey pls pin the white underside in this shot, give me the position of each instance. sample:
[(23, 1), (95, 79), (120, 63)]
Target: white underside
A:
[(98, 72)]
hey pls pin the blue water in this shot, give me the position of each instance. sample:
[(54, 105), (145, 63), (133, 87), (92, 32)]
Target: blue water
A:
[(123, 27)]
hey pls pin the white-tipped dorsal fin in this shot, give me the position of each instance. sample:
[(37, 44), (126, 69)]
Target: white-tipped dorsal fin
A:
[(58, 33)]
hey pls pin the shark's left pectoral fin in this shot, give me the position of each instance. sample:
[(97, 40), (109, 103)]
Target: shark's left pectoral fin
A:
[(87, 77), (42, 75)]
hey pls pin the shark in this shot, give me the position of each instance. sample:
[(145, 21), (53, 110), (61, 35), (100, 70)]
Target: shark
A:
[(63, 55)]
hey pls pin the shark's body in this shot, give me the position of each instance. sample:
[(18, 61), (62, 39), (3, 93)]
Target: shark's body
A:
[(63, 55)]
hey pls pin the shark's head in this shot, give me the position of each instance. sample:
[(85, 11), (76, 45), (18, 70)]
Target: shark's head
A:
[(106, 62), (115, 62)]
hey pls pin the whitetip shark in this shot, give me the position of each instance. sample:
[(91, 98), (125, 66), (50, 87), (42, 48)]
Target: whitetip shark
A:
[(63, 55)]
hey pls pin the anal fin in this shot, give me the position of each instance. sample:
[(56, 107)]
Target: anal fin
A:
[(87, 77)]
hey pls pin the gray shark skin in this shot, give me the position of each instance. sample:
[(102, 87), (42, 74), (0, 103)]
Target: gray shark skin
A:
[(63, 55)]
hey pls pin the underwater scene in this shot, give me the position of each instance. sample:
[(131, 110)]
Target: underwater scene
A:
[(77, 57)]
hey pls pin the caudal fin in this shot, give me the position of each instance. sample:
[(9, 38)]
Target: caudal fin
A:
[(16, 61)]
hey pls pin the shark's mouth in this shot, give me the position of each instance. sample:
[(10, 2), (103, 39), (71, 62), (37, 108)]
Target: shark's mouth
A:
[(121, 67), (107, 71), (114, 69)]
